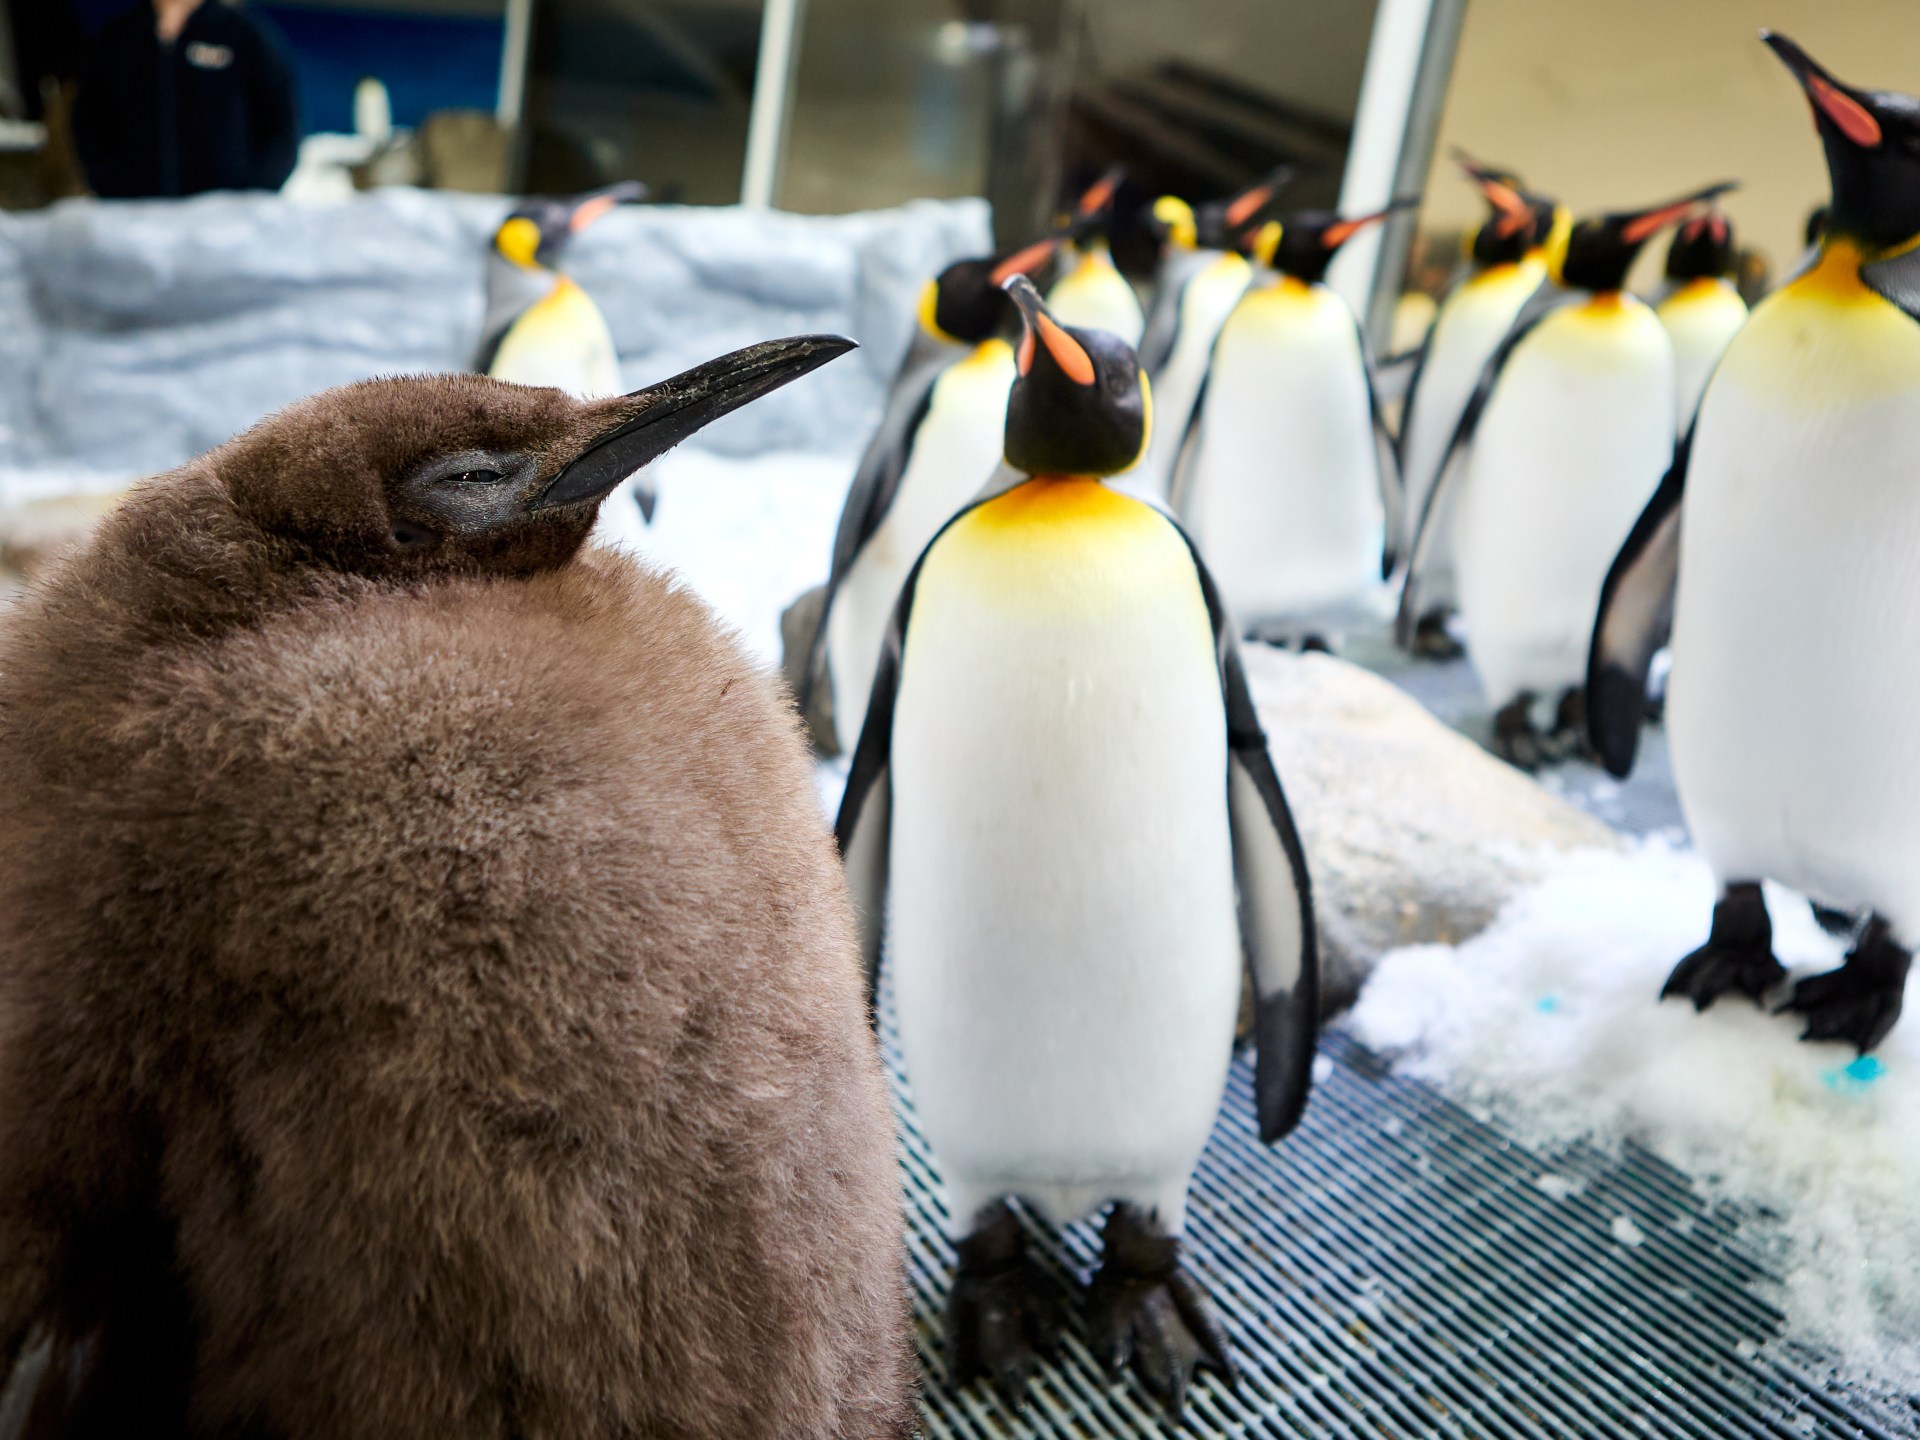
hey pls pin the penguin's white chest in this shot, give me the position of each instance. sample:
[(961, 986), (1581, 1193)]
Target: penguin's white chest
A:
[(955, 451), (1283, 489), (1794, 692), (1093, 295), (1062, 926), (1206, 300), (562, 341), (1701, 319), (1469, 328), (1577, 435)]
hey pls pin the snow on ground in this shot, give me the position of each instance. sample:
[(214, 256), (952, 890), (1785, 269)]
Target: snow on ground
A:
[(1550, 1018), (748, 534)]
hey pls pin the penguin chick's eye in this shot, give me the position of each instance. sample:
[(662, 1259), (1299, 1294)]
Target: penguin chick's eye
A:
[(477, 477)]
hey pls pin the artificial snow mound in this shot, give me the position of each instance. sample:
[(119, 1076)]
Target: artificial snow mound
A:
[(1551, 1017)]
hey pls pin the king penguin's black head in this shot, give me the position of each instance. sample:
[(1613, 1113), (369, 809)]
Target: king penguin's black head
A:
[(536, 233), (1079, 404), (1516, 221), (1219, 224), (1601, 249), (1872, 140), (965, 303), (1702, 249), (1307, 240), (436, 474)]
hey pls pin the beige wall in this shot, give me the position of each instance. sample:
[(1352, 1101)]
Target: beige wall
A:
[(1613, 104)]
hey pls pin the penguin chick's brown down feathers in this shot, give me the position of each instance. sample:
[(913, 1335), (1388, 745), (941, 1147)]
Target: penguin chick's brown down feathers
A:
[(428, 997)]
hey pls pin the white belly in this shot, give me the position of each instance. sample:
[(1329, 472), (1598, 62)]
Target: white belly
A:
[(1701, 319), (1467, 331), (955, 452), (1576, 437), (1795, 683), (1093, 295), (1205, 302), (1062, 928), (1284, 491)]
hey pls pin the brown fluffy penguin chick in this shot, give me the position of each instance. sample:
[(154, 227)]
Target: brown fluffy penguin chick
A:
[(429, 1003)]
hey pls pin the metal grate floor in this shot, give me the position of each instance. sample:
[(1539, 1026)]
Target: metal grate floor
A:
[(1399, 1268)]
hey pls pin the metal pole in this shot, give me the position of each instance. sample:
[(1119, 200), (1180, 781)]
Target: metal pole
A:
[(780, 22), (513, 63), (1409, 60)]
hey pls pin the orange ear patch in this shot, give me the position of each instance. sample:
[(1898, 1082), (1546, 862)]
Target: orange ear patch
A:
[(1853, 119), (1066, 351)]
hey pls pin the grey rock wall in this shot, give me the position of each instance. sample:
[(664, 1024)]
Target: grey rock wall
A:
[(134, 335)]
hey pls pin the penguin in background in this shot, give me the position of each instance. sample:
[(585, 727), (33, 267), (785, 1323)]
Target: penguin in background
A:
[(429, 1001), (1286, 478), (543, 329), (1063, 815), (1510, 258), (1202, 277), (1566, 434), (1790, 705), (1090, 290), (937, 447), (1702, 308)]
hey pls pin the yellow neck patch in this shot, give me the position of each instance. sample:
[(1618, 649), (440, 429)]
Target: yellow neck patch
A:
[(1835, 278)]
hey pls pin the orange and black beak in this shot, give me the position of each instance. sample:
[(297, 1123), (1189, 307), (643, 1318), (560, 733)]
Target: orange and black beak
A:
[(1601, 251), (599, 203), (1079, 403), (1506, 197), (1872, 140)]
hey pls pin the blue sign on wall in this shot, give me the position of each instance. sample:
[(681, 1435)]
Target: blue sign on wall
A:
[(429, 62)]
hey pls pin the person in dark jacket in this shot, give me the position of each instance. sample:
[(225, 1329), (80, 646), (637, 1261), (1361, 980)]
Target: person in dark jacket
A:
[(181, 96)]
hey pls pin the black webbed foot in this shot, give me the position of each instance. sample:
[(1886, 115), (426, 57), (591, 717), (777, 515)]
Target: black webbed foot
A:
[(1142, 1310), (1738, 954), (1515, 740), (1859, 1002), (1003, 1317), (1569, 739), (1432, 640)]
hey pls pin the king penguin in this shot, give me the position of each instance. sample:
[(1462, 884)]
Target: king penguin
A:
[(1566, 434), (938, 445), (542, 329), (1202, 277), (1509, 259), (1702, 309), (1791, 702), (1286, 480), (1091, 291), (1063, 814), (431, 998)]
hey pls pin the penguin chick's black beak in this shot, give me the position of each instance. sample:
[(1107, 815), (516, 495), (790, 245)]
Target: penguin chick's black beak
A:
[(676, 408), (1841, 106), (590, 208)]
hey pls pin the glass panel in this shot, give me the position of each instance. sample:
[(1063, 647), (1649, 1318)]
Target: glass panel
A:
[(629, 89), (1024, 100)]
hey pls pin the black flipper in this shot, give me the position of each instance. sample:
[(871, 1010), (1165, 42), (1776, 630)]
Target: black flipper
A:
[(1635, 620), (875, 484), (1896, 279), (1387, 463), (864, 827), (1542, 303), (1180, 478), (1276, 895)]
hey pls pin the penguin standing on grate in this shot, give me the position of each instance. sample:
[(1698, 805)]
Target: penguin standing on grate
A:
[(1564, 438), (1063, 814), (1795, 624), (429, 1003)]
